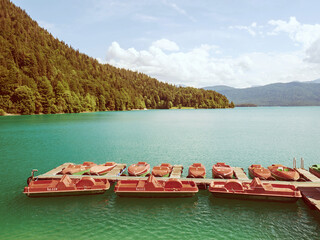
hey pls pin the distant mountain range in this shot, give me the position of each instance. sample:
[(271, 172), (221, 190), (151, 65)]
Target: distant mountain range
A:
[(276, 94)]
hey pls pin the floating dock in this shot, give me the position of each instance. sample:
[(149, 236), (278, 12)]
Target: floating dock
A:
[(307, 175), (176, 171), (240, 174), (311, 195), (310, 189)]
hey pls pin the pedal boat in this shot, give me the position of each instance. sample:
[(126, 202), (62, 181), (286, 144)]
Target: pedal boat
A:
[(255, 190), (101, 169), (140, 169), (315, 170), (283, 173), (78, 169), (153, 188), (256, 170), (197, 170), (222, 170), (163, 170), (66, 186)]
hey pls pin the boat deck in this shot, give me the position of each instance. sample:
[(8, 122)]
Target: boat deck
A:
[(240, 174), (307, 175)]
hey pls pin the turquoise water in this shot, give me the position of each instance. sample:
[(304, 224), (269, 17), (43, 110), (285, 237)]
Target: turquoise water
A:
[(239, 137)]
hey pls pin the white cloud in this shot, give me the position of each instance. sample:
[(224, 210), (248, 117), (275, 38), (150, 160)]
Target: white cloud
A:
[(201, 66), (166, 44), (305, 34)]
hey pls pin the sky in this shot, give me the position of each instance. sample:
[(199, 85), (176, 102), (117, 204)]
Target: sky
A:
[(195, 43)]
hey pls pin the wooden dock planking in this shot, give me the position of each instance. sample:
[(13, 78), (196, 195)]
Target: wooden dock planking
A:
[(240, 174), (311, 195), (113, 176), (116, 170), (176, 171), (307, 175), (57, 169)]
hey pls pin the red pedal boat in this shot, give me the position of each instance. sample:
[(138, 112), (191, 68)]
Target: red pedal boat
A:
[(66, 187), (256, 170), (151, 188), (75, 169), (163, 170), (283, 173), (101, 169), (222, 170), (140, 169), (197, 170), (255, 190)]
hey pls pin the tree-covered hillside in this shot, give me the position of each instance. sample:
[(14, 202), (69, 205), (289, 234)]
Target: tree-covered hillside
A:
[(40, 74), (276, 94)]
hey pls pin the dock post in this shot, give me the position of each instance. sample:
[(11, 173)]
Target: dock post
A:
[(302, 163), (294, 162)]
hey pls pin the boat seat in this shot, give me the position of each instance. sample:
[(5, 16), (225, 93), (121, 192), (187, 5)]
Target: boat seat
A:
[(65, 181), (256, 182), (152, 181)]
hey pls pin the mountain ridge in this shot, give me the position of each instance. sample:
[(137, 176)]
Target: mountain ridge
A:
[(274, 94)]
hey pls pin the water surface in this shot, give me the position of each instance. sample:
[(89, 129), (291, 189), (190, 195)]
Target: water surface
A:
[(239, 137)]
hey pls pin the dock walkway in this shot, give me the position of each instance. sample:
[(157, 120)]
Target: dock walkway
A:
[(115, 176), (311, 195), (240, 174), (176, 171), (307, 175)]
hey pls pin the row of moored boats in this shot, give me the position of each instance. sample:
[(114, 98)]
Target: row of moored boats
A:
[(155, 187), (219, 170)]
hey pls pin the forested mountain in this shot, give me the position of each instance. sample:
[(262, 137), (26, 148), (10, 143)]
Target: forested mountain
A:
[(41, 74), (277, 94)]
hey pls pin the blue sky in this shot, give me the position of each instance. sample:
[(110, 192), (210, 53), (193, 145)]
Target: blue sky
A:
[(196, 43)]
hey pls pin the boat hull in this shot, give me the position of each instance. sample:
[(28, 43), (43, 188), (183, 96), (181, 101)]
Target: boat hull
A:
[(315, 172), (254, 174), (139, 174), (254, 197), (221, 170), (156, 194), (284, 178), (65, 193)]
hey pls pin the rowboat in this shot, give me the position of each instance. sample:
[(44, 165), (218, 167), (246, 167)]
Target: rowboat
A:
[(197, 170), (78, 169), (66, 186), (315, 170), (102, 169), (140, 169), (163, 170), (153, 188), (256, 170), (222, 170), (255, 190), (283, 173)]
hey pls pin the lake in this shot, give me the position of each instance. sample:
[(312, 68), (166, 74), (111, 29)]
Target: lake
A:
[(239, 137)]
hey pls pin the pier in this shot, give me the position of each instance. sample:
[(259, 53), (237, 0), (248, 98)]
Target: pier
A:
[(309, 187), (176, 171), (240, 174), (307, 175)]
